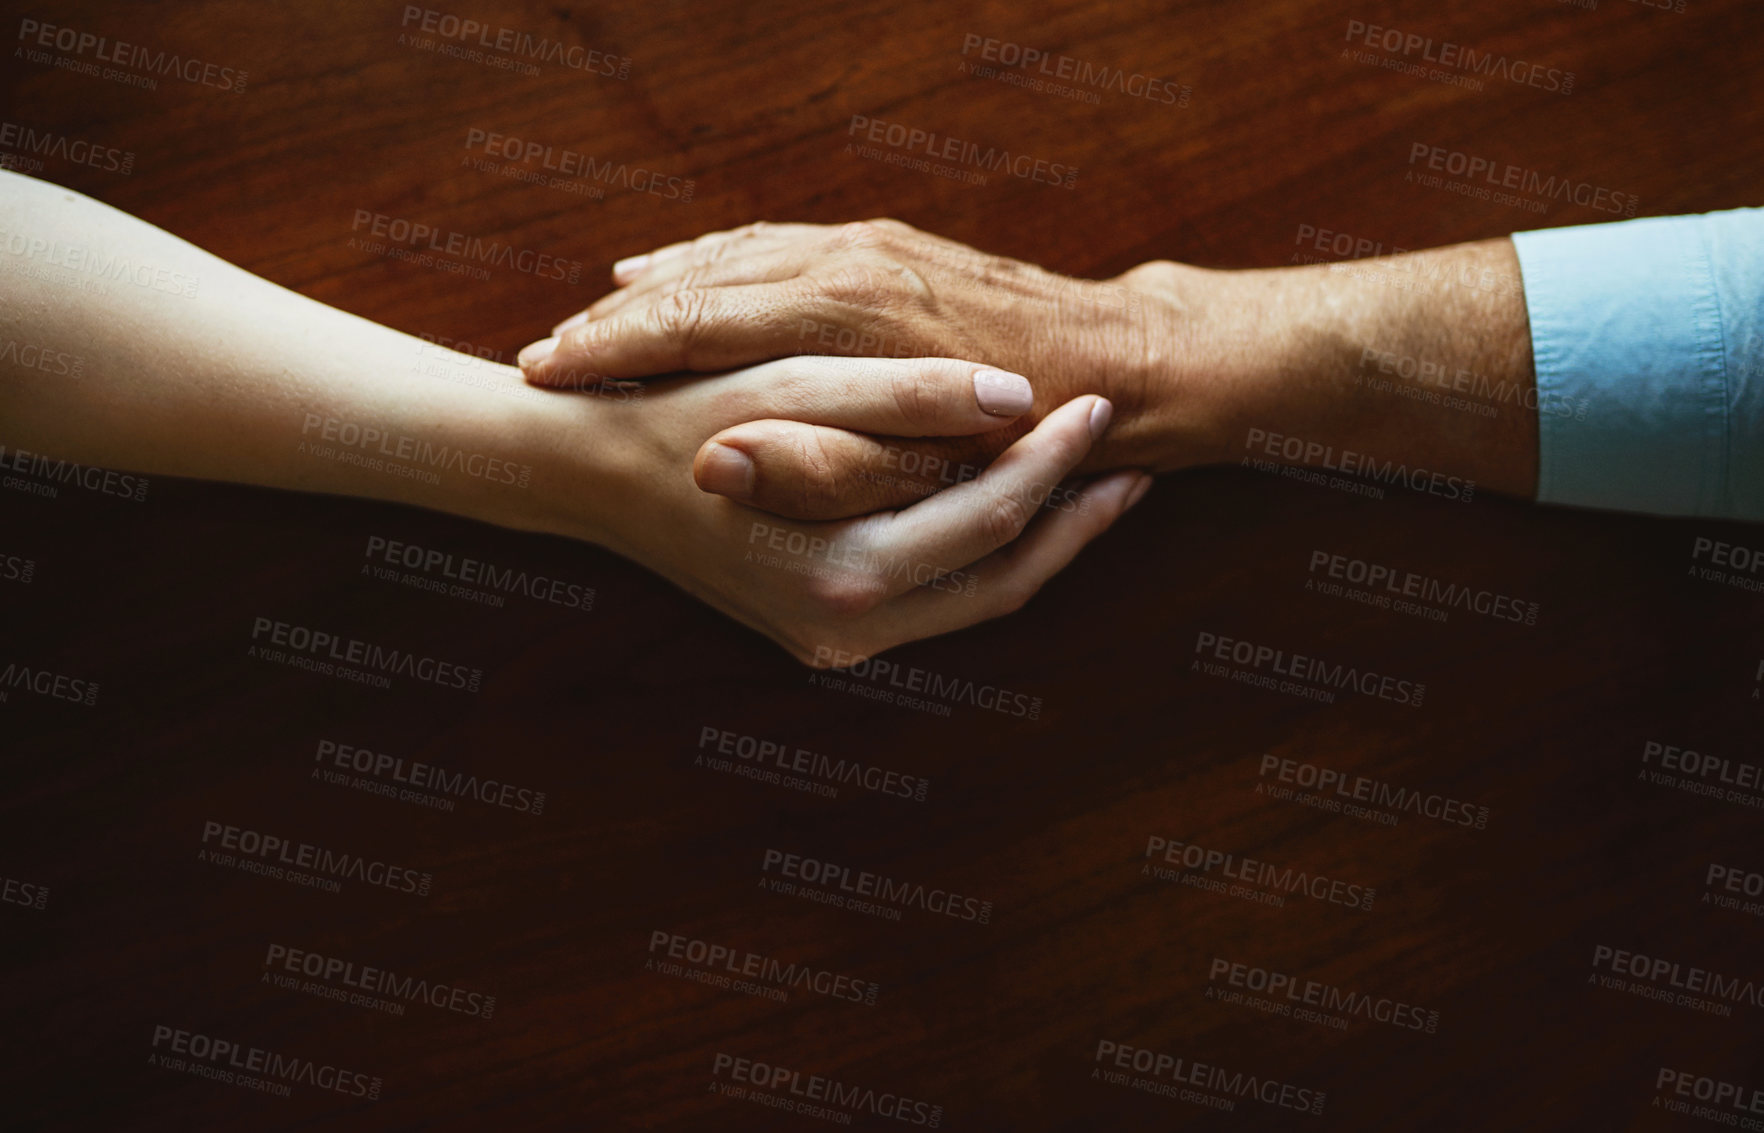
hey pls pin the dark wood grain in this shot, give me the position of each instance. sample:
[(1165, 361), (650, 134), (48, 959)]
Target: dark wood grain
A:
[(1048, 819)]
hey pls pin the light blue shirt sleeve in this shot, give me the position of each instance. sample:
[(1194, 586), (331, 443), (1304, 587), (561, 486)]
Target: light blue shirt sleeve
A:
[(1648, 338)]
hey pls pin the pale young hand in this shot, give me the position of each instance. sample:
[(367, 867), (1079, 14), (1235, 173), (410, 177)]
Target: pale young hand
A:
[(853, 586)]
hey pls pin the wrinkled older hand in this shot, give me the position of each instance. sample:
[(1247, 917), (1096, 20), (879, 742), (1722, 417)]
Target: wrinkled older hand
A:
[(877, 288)]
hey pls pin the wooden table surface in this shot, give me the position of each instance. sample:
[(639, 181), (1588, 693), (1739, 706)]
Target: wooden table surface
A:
[(1097, 858)]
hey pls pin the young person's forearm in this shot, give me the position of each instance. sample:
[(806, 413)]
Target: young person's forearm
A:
[(190, 366), (1421, 362)]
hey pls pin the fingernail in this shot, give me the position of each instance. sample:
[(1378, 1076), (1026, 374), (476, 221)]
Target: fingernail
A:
[(1002, 394), (537, 352), (630, 266), (1138, 490), (1100, 413), (570, 323), (727, 471)]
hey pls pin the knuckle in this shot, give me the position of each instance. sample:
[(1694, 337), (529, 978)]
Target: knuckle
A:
[(1015, 596), (860, 235), (696, 276), (681, 317), (707, 251), (845, 595), (1068, 451), (1003, 517), (858, 284), (1153, 273), (818, 482), (918, 396)]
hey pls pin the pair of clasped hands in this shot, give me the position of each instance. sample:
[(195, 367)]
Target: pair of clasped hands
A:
[(895, 435)]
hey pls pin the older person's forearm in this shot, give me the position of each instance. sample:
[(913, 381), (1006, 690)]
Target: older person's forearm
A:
[(1415, 367)]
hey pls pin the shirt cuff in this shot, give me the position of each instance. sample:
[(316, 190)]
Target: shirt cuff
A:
[(1632, 382)]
